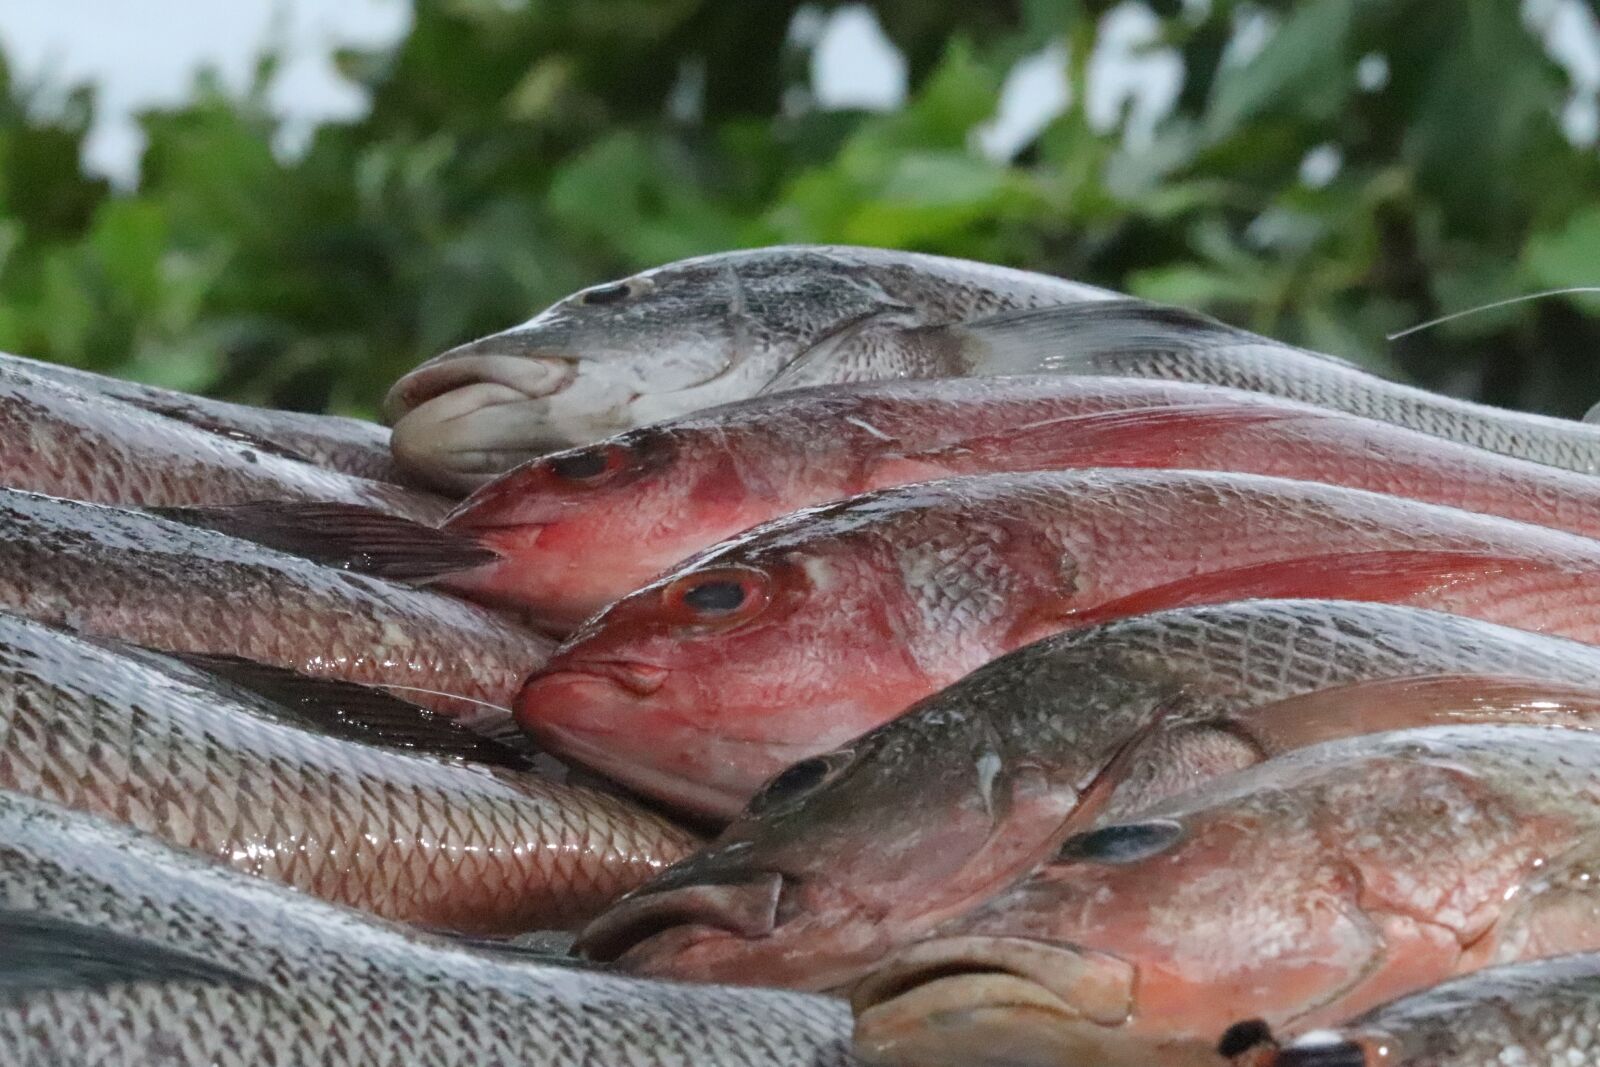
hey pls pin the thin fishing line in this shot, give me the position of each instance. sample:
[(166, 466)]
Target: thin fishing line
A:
[(1486, 307), (452, 696)]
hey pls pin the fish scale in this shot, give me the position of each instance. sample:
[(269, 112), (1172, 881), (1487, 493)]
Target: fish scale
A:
[(1299, 891), (1073, 718), (1544, 1013), (1239, 360), (927, 581), (407, 835), (69, 441), (127, 574)]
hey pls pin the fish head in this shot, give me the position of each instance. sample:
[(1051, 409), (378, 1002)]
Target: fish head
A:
[(716, 676), (624, 354), (1139, 944), (873, 844), (579, 528)]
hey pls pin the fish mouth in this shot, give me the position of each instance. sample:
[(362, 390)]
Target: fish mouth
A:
[(529, 376), (459, 420), (997, 1000), (645, 930), (636, 679)]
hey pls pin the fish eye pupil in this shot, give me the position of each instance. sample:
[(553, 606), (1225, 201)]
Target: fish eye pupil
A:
[(606, 294), (803, 776), (1122, 843), (715, 597), (580, 465)]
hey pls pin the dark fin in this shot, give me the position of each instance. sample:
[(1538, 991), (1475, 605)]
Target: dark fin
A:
[(1397, 576), (550, 948), (42, 953), (194, 418), (1040, 339), (346, 536), (357, 712), (1249, 1036)]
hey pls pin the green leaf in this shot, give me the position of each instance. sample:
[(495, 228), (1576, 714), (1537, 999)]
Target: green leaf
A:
[(1567, 258)]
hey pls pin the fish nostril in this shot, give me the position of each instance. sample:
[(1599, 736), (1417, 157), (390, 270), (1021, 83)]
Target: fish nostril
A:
[(745, 909)]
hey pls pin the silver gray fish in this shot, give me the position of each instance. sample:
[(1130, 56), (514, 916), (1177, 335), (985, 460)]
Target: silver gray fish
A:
[(69, 441), (1129, 338), (122, 952), (848, 855), (1545, 1013), (333, 441), (683, 337), (169, 585), (341, 791)]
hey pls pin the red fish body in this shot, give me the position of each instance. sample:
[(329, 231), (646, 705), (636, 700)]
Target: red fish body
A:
[(581, 528), (808, 631), (1298, 892)]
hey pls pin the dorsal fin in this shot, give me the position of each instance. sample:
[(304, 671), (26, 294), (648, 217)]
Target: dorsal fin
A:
[(357, 712), (1022, 342), (40, 953), (347, 536)]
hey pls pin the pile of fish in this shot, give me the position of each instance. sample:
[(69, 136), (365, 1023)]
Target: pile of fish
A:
[(1007, 672)]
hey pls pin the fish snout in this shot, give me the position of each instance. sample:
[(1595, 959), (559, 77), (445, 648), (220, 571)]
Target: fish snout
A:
[(647, 929), (494, 360), (998, 1000), (466, 416)]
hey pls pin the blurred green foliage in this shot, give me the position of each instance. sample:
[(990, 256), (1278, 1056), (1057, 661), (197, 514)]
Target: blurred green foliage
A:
[(516, 151)]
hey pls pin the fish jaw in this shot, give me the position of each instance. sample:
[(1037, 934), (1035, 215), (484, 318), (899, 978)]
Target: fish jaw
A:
[(809, 657), (579, 529), (696, 924), (1003, 1001), (655, 734)]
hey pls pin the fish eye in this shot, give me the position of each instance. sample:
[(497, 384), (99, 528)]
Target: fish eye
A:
[(715, 597), (1122, 843), (588, 466), (719, 594), (613, 292), (798, 781)]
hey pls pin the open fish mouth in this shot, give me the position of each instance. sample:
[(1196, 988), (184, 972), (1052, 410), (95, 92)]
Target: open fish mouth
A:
[(656, 924), (996, 1000)]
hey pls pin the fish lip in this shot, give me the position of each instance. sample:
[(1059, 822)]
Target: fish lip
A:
[(644, 922), (638, 679), (532, 375), (590, 748), (941, 974)]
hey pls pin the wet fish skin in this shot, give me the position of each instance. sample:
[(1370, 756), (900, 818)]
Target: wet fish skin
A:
[(62, 440), (1300, 891), (1135, 339), (930, 814), (353, 446), (803, 633), (329, 986), (116, 573), (578, 529), (1542, 1013), (680, 337), (406, 835)]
